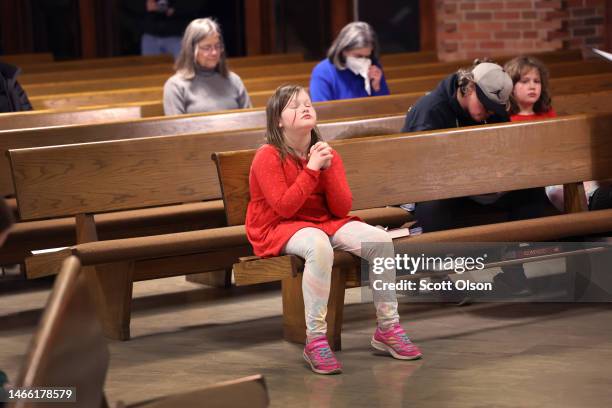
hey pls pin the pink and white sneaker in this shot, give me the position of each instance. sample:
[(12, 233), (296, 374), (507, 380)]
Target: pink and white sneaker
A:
[(321, 357), (395, 341)]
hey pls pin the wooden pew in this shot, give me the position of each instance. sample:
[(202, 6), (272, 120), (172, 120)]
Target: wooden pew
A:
[(257, 84), (244, 72), (32, 119), (24, 59), (29, 236), (107, 177), (69, 350), (559, 86), (249, 118), (442, 164), (261, 66), (171, 125)]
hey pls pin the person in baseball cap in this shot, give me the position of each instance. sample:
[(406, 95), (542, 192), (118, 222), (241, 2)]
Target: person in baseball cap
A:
[(493, 87), (468, 97)]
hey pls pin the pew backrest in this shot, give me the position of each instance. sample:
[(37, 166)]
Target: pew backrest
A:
[(423, 166), (68, 180), (68, 349)]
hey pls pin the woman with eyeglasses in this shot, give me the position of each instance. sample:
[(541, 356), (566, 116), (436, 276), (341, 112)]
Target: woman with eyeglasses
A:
[(351, 69), (203, 82)]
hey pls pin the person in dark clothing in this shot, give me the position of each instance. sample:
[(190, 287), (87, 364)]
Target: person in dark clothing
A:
[(466, 98), (469, 97), (163, 23), (12, 96)]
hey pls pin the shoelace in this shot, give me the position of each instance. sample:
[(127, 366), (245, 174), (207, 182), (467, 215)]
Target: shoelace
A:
[(325, 353), (405, 341)]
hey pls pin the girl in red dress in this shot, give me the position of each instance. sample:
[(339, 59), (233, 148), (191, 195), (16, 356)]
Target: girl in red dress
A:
[(300, 201)]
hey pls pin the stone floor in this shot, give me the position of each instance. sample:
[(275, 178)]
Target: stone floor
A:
[(483, 355)]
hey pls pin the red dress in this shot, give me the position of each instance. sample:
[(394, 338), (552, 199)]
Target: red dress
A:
[(518, 118), (286, 196)]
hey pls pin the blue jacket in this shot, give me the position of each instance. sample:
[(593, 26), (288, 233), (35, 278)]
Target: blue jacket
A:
[(328, 83)]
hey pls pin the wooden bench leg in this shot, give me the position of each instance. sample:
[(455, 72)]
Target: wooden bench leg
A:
[(216, 279), (294, 321), (111, 288)]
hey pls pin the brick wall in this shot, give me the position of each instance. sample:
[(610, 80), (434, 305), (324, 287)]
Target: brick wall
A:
[(468, 29)]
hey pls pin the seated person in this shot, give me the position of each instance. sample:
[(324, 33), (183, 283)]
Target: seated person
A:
[(203, 81), (351, 69), (530, 100), (473, 97), (12, 96)]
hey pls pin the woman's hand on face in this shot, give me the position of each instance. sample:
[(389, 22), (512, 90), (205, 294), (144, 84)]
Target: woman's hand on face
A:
[(320, 156), (375, 75)]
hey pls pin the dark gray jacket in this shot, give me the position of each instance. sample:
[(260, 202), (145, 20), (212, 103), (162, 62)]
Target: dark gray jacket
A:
[(12, 96)]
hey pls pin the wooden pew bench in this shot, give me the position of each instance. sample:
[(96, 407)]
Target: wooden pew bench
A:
[(255, 84), (69, 350), (390, 170), (265, 89), (27, 236), (95, 181)]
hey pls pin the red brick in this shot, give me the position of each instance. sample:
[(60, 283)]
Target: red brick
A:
[(594, 3), (583, 32), (478, 35), (467, 6), (491, 44), (530, 34), (450, 27), (529, 15), (463, 27), (498, 5), (556, 15), (574, 3), (507, 35), (469, 45), (450, 8), (555, 35), (450, 47), (519, 4), (519, 25), (583, 12), (489, 26), (594, 41), (507, 15), (478, 15), (452, 36), (548, 4), (594, 21)]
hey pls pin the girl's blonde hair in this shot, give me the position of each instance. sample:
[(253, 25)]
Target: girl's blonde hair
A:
[(195, 32), (274, 108), (519, 66)]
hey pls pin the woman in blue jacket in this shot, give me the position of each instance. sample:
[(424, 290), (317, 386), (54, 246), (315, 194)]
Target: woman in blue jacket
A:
[(351, 69)]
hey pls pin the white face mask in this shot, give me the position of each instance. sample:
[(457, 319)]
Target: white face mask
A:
[(360, 66)]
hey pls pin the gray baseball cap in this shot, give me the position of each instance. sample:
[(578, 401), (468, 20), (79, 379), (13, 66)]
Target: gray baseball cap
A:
[(493, 87)]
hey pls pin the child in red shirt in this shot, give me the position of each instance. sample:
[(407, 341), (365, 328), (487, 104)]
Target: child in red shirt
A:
[(300, 201), (530, 100)]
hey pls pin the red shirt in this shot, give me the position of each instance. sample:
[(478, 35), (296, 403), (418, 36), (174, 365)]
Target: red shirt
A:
[(287, 196), (550, 114)]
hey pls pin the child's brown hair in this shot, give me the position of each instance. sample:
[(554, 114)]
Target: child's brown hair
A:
[(519, 66), (274, 108)]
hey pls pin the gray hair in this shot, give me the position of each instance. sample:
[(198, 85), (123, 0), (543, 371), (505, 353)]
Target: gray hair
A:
[(357, 34), (195, 32)]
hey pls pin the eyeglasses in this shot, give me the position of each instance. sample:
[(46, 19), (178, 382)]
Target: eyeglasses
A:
[(207, 49)]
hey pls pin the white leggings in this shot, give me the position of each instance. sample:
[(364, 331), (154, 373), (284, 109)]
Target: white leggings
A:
[(316, 247)]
